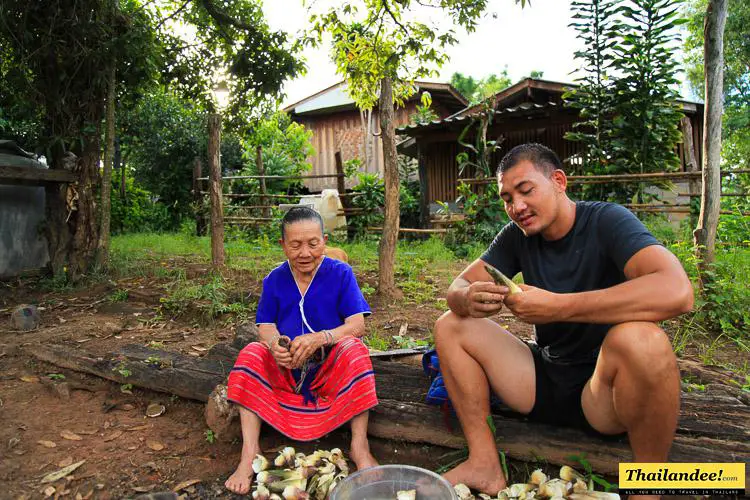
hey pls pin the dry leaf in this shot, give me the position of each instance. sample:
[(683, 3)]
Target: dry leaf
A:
[(30, 378), (155, 409), (194, 354), (72, 436), (127, 407), (49, 491), (47, 444), (143, 489), (113, 436), (138, 428), (87, 432), (65, 462), (155, 445), (185, 484), (65, 471), (199, 348)]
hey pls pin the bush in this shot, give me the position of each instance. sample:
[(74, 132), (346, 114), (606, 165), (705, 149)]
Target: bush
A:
[(138, 212)]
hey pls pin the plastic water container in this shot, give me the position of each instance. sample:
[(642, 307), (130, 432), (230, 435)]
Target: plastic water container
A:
[(384, 481), (328, 204)]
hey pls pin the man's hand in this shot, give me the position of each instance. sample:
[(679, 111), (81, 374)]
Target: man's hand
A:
[(281, 354), (484, 298), (536, 306), (304, 346)]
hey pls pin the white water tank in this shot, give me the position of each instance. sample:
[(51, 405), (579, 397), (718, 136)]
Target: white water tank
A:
[(328, 205)]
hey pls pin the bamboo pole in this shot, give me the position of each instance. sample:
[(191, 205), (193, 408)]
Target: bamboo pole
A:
[(262, 172), (278, 177)]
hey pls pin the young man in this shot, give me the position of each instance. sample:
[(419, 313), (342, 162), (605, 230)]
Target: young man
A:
[(597, 283)]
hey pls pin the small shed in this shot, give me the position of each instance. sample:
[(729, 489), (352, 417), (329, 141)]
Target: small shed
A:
[(338, 126), (532, 110)]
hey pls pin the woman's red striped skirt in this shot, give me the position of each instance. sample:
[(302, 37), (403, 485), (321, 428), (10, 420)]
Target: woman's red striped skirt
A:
[(344, 387)]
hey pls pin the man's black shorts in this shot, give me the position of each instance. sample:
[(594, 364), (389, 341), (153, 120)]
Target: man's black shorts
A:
[(558, 391)]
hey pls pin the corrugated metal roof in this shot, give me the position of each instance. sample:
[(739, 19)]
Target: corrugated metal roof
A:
[(527, 106)]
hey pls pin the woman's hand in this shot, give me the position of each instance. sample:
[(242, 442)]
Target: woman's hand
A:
[(281, 354), (305, 346)]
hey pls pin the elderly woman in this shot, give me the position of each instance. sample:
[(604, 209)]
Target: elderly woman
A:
[(310, 373)]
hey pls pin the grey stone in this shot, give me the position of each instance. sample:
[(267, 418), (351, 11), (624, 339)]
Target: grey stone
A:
[(25, 317)]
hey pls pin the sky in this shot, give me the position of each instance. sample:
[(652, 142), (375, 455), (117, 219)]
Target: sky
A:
[(533, 38)]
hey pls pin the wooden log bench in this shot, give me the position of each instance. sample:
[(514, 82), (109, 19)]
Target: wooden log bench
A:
[(712, 428)]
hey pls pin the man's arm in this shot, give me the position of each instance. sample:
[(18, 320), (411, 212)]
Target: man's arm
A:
[(474, 293), (656, 289)]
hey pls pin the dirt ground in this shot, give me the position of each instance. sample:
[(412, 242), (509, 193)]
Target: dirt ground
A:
[(46, 427)]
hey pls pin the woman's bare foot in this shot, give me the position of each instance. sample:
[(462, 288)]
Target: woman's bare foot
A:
[(242, 478), (478, 476), (361, 456)]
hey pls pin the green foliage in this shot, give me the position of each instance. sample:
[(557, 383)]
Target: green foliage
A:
[(209, 299), (424, 112), (476, 91), (409, 342), (163, 137), (385, 40), (627, 95), (56, 376), (286, 147), (210, 436), (370, 197), (646, 118), (137, 212), (594, 20), (483, 212), (589, 474), (119, 295)]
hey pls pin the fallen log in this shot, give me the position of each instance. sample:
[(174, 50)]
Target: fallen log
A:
[(711, 427)]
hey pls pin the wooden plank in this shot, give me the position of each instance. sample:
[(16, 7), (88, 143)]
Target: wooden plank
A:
[(27, 175)]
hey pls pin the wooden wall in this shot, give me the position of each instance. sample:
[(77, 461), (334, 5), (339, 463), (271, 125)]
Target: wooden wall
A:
[(342, 131), (439, 152)]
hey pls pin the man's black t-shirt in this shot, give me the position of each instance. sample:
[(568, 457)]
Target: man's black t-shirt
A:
[(592, 256)]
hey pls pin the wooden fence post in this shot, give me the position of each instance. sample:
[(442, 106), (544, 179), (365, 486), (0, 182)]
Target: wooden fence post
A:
[(262, 172), (217, 212), (341, 187), (424, 191), (200, 215)]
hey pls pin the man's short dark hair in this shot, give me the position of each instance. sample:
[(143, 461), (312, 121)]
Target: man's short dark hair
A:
[(542, 157), (298, 214)]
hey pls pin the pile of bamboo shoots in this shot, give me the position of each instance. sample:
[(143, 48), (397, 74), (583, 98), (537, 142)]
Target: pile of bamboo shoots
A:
[(571, 484), (297, 476)]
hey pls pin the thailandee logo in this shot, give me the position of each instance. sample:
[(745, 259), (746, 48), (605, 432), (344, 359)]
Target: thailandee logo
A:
[(682, 479)]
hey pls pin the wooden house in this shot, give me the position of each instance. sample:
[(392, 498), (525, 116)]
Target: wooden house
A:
[(338, 126), (532, 110)]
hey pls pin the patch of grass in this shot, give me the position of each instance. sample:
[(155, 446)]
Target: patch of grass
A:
[(119, 295), (409, 342), (376, 341), (56, 376), (210, 436), (210, 298)]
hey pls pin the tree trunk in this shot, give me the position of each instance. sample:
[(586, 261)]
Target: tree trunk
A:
[(102, 257), (86, 235), (713, 53), (217, 211), (691, 164), (387, 250)]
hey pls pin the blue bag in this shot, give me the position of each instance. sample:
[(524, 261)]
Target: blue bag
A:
[(437, 394)]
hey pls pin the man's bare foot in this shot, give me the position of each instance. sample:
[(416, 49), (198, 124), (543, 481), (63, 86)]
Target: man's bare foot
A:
[(361, 456), (478, 476), (242, 478)]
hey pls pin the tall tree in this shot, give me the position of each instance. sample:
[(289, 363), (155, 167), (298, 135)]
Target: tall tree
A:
[(708, 220), (595, 23), (478, 90), (380, 53)]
